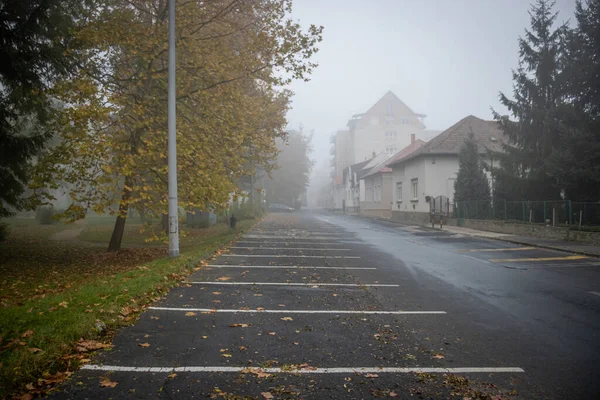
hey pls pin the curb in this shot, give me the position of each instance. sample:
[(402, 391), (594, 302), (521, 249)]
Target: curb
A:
[(541, 246)]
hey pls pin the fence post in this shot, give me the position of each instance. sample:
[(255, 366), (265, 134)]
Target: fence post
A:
[(544, 212), (570, 213), (523, 205), (476, 209), (505, 216)]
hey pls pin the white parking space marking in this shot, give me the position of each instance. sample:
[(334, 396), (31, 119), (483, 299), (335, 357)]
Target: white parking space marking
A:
[(284, 256), (294, 237), (234, 311), (283, 267), (294, 284), (285, 242), (342, 370), (286, 248)]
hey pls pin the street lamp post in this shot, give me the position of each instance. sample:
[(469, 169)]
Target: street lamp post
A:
[(173, 212)]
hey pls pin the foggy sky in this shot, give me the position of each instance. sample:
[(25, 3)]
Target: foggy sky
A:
[(444, 58)]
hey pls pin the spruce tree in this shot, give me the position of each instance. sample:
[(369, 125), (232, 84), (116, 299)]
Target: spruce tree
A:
[(577, 165), (471, 182), (36, 49), (533, 131)]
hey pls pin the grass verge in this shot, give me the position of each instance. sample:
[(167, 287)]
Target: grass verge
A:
[(40, 338)]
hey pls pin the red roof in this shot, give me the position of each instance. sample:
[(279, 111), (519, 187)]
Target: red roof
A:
[(405, 152)]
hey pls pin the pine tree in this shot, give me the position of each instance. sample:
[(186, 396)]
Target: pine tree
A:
[(577, 165), (471, 182), (538, 94), (35, 50)]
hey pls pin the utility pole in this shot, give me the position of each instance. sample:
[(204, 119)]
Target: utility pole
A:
[(173, 210)]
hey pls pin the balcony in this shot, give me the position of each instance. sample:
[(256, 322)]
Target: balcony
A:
[(332, 173), (332, 162), (332, 150), (332, 139)]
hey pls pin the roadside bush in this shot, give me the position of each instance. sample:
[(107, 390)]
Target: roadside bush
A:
[(4, 230), (44, 215)]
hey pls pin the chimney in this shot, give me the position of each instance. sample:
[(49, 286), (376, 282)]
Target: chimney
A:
[(412, 138)]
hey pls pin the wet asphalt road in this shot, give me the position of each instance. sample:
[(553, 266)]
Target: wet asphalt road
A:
[(301, 305)]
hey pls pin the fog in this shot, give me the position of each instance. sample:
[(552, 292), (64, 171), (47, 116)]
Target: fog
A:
[(446, 59)]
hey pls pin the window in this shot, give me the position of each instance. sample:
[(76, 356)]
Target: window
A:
[(389, 109), (414, 183), (398, 191), (391, 135), (377, 193), (390, 149)]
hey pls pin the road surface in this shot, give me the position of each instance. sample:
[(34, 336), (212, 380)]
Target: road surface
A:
[(322, 306)]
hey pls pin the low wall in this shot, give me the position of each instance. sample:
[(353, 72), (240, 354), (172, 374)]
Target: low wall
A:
[(387, 214), (533, 230), (411, 217)]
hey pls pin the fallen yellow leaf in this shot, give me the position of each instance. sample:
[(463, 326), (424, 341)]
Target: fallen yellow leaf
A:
[(190, 314), (106, 382), (144, 344)]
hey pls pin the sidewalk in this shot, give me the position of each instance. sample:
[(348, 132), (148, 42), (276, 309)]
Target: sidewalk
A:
[(561, 245)]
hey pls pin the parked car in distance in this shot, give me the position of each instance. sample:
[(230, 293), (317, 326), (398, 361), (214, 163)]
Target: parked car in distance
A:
[(280, 208)]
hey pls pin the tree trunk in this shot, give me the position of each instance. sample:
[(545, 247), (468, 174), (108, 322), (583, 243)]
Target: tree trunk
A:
[(117, 235)]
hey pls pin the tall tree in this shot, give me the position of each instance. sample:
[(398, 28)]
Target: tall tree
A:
[(471, 182), (233, 58), (293, 165), (538, 91), (36, 49), (577, 165)]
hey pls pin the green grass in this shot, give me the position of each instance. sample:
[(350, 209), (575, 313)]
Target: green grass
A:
[(30, 229), (112, 290), (136, 234)]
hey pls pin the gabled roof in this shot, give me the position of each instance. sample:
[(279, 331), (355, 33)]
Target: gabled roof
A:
[(355, 168), (487, 134), (405, 152), (400, 107), (373, 162)]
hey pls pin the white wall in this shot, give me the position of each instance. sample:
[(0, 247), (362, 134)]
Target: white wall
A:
[(436, 176), (440, 174), (405, 173)]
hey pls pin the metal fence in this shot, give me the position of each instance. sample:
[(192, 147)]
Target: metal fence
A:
[(561, 212)]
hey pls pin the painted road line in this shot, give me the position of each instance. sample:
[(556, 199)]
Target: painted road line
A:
[(294, 237), (293, 284), (312, 370), (565, 265), (567, 258), (596, 293), (491, 250), (282, 267), (234, 311), (284, 256), (285, 248), (294, 243)]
